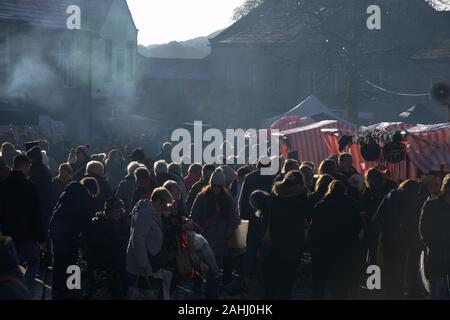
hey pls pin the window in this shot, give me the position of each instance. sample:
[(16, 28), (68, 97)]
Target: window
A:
[(67, 68), (108, 60), (4, 59), (120, 60), (131, 54)]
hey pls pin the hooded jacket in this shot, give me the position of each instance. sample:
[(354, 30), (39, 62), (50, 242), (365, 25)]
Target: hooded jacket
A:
[(146, 238)]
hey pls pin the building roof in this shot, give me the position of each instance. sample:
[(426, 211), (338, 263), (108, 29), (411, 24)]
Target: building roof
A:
[(174, 69), (276, 22), (52, 13), (281, 21)]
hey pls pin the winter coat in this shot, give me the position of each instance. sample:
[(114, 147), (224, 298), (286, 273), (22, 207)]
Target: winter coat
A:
[(435, 231), (5, 171), (143, 191), (79, 171), (125, 191), (216, 228), (253, 181), (288, 211), (107, 241), (195, 190), (41, 176), (335, 226), (161, 178), (105, 192), (190, 180), (399, 218), (372, 198), (20, 215), (146, 238), (115, 173), (12, 284), (58, 187), (72, 215)]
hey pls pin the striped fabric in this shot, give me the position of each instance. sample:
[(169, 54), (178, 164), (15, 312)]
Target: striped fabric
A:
[(397, 172), (309, 142), (428, 147)]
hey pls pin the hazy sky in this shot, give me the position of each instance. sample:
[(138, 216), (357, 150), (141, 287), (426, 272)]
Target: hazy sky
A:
[(162, 21)]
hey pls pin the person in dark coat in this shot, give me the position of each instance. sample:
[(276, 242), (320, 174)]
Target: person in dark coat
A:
[(78, 160), (60, 182), (12, 284), (8, 152), (434, 229), (236, 185), (41, 176), (126, 188), (4, 170), (115, 168), (335, 227), (68, 226), (214, 212), (253, 181), (289, 209), (162, 174), (399, 215), (166, 153), (106, 244), (207, 171), (96, 170), (20, 216), (194, 175), (321, 188), (144, 185), (288, 166), (377, 187)]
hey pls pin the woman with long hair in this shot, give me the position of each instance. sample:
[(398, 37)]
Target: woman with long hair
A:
[(215, 213)]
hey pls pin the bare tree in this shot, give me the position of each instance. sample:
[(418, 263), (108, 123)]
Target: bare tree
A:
[(245, 8), (441, 5)]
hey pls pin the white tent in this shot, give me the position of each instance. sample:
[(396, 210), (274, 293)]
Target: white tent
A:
[(310, 107)]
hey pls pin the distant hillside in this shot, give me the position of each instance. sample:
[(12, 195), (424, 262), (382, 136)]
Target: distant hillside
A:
[(197, 48)]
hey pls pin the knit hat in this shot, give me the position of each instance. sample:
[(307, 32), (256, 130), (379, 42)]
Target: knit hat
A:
[(217, 178), (84, 150), (35, 154)]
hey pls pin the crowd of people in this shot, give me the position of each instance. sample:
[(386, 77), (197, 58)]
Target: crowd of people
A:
[(144, 225)]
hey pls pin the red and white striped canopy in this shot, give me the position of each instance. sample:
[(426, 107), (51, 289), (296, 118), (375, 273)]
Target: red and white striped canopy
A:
[(428, 147), (309, 142)]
